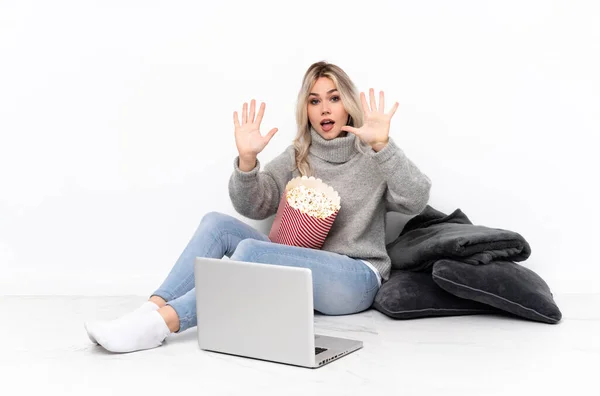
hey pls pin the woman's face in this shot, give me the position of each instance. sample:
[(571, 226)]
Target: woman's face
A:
[(325, 104)]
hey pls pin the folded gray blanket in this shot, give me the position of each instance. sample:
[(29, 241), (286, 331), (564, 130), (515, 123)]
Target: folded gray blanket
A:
[(433, 235)]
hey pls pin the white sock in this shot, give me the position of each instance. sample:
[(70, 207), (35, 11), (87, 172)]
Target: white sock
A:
[(148, 306), (131, 332)]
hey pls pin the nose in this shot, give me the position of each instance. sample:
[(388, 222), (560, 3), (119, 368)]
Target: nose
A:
[(325, 109)]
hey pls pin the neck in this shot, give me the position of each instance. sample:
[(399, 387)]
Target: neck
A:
[(337, 150)]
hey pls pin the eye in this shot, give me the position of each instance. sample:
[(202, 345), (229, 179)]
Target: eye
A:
[(333, 98)]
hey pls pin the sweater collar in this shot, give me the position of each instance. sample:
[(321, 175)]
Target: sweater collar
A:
[(337, 150)]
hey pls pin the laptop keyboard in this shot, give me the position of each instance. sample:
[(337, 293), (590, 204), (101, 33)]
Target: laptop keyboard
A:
[(319, 350)]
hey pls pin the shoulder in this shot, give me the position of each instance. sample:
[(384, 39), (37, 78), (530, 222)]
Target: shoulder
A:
[(288, 153), (285, 160)]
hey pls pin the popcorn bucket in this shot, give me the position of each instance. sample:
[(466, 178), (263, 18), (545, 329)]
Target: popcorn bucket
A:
[(307, 210)]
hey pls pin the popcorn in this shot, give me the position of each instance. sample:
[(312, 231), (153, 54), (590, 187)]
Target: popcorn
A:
[(307, 210), (311, 201)]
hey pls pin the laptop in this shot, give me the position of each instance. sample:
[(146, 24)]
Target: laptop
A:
[(262, 311)]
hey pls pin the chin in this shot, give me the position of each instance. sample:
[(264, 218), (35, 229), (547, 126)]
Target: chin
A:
[(334, 133)]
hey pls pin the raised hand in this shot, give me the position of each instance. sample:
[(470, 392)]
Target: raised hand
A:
[(248, 138), (376, 128)]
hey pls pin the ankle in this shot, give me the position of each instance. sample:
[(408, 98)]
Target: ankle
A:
[(171, 318), (158, 301)]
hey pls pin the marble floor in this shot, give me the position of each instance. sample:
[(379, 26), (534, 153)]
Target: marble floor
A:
[(45, 350)]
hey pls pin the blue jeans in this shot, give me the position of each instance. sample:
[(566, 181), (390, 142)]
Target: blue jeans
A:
[(341, 285)]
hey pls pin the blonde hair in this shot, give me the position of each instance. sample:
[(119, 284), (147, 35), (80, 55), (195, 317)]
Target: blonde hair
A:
[(350, 99)]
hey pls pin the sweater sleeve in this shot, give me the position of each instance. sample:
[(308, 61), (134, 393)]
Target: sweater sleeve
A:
[(256, 194), (407, 187)]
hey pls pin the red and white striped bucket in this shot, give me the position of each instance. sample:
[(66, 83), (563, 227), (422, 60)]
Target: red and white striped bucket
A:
[(294, 228)]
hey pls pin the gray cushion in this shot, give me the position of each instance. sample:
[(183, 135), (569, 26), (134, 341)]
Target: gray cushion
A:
[(505, 285), (411, 295), (431, 236)]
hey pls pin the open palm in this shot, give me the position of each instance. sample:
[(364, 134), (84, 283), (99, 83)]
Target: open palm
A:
[(376, 128), (248, 139)]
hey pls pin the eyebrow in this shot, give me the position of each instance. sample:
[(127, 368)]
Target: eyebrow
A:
[(328, 92)]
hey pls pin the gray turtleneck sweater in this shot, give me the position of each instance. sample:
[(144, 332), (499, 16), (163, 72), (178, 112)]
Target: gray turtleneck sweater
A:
[(369, 186)]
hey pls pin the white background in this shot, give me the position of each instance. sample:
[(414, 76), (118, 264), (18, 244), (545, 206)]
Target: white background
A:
[(116, 131)]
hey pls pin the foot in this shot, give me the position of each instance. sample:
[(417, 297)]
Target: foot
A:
[(148, 306), (131, 333)]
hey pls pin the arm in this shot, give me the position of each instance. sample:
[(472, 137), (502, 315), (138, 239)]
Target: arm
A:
[(407, 187), (256, 194)]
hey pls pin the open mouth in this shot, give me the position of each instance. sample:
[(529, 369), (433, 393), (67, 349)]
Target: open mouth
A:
[(327, 125)]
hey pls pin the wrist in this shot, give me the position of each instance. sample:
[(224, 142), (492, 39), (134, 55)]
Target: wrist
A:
[(378, 146), (247, 157), (246, 164)]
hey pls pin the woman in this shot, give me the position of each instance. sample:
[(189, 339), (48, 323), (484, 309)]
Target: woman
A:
[(341, 139)]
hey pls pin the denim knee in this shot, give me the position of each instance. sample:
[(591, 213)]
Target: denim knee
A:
[(246, 249), (212, 219)]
